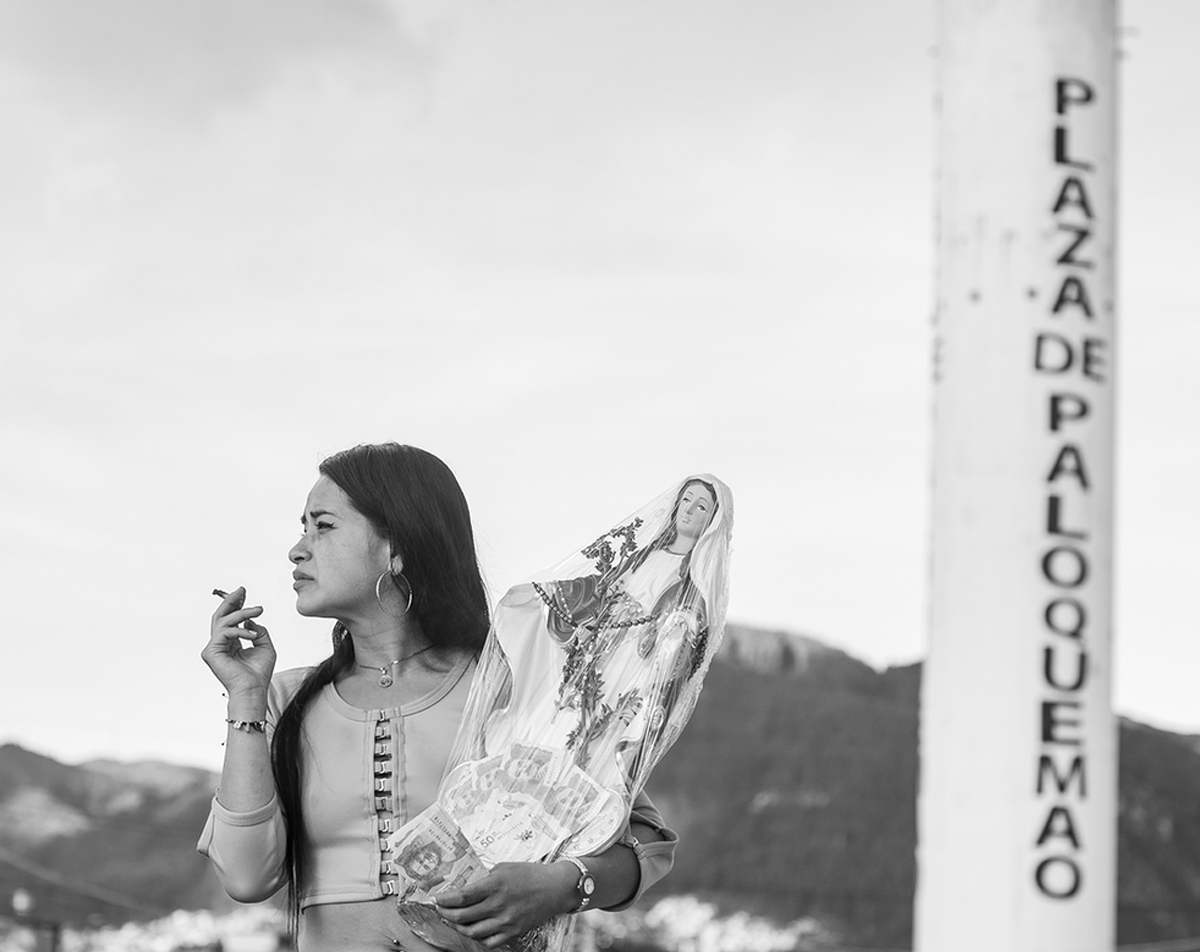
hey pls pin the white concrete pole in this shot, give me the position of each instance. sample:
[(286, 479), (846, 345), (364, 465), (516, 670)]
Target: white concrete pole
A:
[(1017, 805)]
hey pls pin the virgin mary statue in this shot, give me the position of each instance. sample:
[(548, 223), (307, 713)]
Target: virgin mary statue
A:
[(589, 674)]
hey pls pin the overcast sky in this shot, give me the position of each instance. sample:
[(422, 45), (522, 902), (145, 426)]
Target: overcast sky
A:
[(577, 250)]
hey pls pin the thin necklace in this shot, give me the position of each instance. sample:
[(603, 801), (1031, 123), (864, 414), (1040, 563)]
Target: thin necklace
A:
[(385, 675)]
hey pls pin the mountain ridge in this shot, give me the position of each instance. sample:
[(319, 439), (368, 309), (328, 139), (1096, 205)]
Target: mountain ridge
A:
[(816, 817)]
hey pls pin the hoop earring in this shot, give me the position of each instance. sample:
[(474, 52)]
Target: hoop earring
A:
[(379, 595)]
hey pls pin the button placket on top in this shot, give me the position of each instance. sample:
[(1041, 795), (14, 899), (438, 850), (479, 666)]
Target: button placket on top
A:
[(384, 761)]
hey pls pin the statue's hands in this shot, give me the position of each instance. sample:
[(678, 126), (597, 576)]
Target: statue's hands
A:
[(510, 900)]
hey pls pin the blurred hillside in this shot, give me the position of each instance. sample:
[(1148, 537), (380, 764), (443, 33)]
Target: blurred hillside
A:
[(793, 789), (794, 793), (103, 842)]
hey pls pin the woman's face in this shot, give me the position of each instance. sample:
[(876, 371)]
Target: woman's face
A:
[(696, 507), (339, 557)]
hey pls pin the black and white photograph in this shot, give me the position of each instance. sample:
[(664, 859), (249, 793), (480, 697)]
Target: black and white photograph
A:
[(779, 417)]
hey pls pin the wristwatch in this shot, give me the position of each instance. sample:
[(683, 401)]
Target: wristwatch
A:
[(586, 885)]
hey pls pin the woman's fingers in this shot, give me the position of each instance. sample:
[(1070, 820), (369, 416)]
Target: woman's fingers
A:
[(465, 915), (239, 650), (231, 624), (229, 601), (257, 633), (236, 618), (230, 616), (470, 897), (229, 638), (491, 932), (260, 638), (512, 899)]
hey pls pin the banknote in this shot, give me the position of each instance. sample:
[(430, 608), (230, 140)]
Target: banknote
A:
[(510, 827), (430, 855), (525, 802)]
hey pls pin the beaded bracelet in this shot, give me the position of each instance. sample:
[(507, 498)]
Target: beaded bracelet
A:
[(248, 726)]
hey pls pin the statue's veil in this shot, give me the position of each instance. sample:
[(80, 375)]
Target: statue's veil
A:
[(516, 693), (591, 670)]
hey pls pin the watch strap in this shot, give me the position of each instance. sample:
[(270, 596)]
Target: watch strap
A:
[(586, 885)]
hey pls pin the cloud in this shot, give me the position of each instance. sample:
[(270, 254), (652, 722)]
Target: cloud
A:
[(180, 60)]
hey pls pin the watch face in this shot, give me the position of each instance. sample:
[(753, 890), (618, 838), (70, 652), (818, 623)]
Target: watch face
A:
[(588, 886)]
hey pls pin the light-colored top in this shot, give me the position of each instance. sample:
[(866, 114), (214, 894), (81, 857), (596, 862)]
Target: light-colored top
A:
[(366, 773)]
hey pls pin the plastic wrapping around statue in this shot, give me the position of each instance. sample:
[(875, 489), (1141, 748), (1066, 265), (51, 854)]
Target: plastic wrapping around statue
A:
[(592, 670)]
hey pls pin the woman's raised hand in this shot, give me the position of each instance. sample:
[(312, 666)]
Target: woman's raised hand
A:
[(245, 671)]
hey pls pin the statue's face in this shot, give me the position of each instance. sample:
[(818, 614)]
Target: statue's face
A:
[(696, 507)]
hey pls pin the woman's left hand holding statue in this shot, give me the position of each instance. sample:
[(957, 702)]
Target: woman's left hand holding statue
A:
[(510, 900)]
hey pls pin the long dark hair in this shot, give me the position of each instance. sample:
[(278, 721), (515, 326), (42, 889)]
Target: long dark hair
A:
[(414, 501)]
